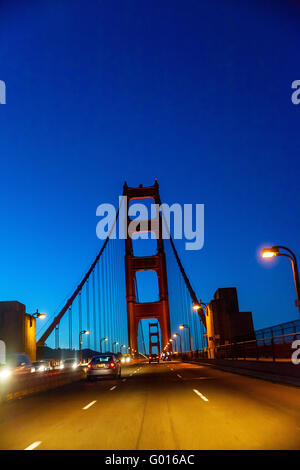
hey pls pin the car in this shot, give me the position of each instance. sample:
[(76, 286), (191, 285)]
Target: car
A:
[(15, 364), (104, 365), (40, 366), (70, 363), (125, 359), (166, 356), (153, 358)]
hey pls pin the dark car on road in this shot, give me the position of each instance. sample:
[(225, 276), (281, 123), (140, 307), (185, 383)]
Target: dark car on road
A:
[(104, 365), (153, 358), (166, 357)]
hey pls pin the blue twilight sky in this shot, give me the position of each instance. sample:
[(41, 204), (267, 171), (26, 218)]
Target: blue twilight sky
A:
[(196, 94)]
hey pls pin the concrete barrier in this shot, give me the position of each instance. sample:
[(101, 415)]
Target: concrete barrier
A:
[(17, 386)]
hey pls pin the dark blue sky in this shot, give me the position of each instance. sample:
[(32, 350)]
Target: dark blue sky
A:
[(194, 93)]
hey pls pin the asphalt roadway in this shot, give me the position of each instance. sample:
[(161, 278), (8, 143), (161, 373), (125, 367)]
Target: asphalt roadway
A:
[(172, 406)]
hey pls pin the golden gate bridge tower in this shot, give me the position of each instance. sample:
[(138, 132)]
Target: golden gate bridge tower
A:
[(159, 310)]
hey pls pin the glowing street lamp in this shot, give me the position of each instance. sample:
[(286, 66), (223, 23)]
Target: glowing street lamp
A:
[(196, 307), (275, 251), (36, 314), (83, 332), (122, 346), (181, 327), (101, 341), (114, 343), (177, 335)]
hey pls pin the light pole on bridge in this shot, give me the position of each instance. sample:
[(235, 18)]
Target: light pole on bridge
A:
[(83, 332), (101, 341), (274, 251), (181, 327), (36, 314), (114, 343), (122, 346), (178, 335)]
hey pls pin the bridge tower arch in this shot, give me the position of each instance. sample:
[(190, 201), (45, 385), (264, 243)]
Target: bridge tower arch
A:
[(137, 311)]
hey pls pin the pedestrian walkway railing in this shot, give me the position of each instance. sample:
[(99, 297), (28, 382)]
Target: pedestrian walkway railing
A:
[(264, 348), (275, 348)]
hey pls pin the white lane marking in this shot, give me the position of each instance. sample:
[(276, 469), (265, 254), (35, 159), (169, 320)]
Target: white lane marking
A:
[(112, 388), (201, 378), (172, 368), (33, 445), (179, 376), (89, 405), (200, 394), (124, 380)]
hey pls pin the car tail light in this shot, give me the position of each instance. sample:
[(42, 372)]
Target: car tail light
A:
[(89, 366), (112, 365)]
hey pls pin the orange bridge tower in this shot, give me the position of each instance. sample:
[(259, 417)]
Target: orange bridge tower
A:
[(137, 311)]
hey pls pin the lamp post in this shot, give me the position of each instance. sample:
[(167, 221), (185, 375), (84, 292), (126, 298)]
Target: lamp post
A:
[(122, 346), (83, 332), (198, 307), (114, 343), (171, 345), (181, 327), (101, 341), (36, 314), (275, 251), (177, 335), (175, 344)]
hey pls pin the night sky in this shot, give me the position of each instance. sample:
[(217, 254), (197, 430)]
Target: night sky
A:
[(196, 94)]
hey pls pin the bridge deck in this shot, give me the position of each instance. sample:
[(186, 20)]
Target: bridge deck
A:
[(164, 406)]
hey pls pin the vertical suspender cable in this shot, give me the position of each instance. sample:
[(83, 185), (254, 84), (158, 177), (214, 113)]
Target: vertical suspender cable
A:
[(99, 303), (57, 337), (79, 314), (88, 324), (70, 327), (94, 312)]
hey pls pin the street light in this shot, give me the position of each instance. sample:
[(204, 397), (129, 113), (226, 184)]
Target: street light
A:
[(122, 346), (101, 340), (177, 335), (115, 342), (175, 344), (196, 307), (181, 327), (275, 251), (36, 314), (83, 332)]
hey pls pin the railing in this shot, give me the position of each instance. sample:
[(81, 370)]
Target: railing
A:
[(274, 348), (270, 344)]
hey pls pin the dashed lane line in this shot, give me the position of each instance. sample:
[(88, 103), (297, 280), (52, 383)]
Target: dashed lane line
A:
[(89, 405), (200, 394), (34, 445)]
